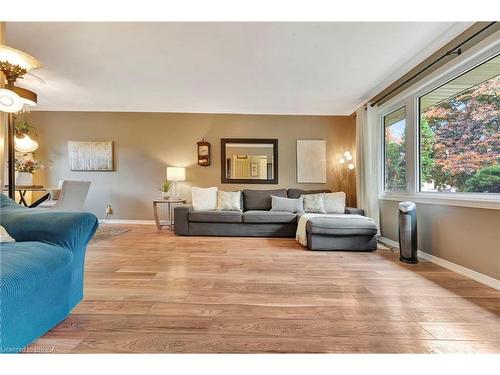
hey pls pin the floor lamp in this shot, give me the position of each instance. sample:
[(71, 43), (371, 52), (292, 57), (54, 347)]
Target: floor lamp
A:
[(346, 163), (14, 64)]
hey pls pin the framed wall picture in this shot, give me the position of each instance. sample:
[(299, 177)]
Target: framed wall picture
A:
[(90, 156), (254, 169), (311, 161), (203, 153)]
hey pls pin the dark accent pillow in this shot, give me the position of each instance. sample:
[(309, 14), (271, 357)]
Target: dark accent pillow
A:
[(296, 193), (260, 199)]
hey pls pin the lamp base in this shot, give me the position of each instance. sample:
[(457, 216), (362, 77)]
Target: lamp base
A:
[(174, 194)]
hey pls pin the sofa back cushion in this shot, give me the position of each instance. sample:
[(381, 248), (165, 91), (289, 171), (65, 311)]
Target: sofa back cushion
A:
[(260, 199), (296, 193)]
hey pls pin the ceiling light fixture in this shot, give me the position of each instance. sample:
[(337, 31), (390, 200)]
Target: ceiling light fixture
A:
[(10, 102), (27, 96), (14, 64)]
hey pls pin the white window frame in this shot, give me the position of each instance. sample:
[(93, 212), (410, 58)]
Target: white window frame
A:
[(409, 98), (382, 153)]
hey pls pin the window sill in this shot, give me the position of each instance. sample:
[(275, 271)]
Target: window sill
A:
[(491, 202)]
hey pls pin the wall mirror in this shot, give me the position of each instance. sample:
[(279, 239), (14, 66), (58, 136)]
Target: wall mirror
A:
[(249, 161)]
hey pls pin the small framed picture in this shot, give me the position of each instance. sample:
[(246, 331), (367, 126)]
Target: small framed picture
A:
[(254, 170), (203, 153)]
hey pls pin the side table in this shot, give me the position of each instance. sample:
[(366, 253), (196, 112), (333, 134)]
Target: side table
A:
[(170, 208)]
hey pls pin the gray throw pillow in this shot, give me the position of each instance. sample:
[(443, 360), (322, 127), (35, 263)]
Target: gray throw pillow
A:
[(287, 204), (314, 203)]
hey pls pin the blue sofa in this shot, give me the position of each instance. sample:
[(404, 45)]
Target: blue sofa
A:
[(41, 274)]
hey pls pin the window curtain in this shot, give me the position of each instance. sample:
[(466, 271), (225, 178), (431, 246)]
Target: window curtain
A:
[(367, 142)]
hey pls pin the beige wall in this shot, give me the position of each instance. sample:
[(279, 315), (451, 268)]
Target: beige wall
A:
[(145, 143), (469, 237)]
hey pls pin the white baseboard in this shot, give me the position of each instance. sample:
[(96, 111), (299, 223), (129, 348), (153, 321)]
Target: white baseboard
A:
[(389, 242), (125, 222), (467, 272)]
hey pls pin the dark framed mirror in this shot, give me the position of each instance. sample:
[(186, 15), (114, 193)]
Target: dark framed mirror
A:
[(249, 161)]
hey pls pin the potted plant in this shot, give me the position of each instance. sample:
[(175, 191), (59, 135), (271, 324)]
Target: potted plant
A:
[(25, 167), (24, 128), (165, 189)]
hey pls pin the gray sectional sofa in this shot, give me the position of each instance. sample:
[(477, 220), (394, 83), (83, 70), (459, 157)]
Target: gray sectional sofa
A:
[(257, 220)]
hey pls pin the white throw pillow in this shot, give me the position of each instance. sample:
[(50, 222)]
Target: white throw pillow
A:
[(204, 199), (335, 203), (314, 203), (4, 236), (287, 204), (229, 200)]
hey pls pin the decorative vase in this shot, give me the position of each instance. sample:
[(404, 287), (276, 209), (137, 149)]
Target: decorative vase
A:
[(24, 178), (165, 195)]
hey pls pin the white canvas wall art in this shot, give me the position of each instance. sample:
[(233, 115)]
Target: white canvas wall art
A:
[(90, 156), (311, 161)]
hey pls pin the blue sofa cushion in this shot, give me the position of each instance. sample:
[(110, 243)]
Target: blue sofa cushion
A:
[(36, 291), (26, 264)]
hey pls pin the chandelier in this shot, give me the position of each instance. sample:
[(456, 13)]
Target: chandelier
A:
[(14, 64)]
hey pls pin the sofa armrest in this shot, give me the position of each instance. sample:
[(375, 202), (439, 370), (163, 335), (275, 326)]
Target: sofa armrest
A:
[(71, 230), (352, 210), (181, 219)]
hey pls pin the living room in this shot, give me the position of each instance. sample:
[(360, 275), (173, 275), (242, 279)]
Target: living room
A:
[(250, 187)]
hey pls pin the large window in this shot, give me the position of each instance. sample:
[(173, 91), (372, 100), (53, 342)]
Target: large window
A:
[(460, 134), (395, 150)]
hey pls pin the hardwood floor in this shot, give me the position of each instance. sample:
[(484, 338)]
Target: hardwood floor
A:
[(154, 292)]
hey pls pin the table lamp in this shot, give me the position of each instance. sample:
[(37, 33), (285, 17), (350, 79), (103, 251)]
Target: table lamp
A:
[(175, 174)]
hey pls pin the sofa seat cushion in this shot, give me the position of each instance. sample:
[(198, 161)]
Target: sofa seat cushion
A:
[(215, 216), (25, 265), (343, 225), (269, 217)]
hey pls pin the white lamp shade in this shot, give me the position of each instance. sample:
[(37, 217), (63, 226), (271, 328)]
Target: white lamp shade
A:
[(10, 102), (347, 153), (341, 161), (176, 173), (25, 144), (350, 166)]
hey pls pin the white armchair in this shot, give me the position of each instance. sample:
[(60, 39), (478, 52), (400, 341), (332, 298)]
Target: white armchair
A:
[(71, 197)]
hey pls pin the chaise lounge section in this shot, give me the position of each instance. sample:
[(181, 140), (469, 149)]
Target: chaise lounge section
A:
[(256, 220)]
